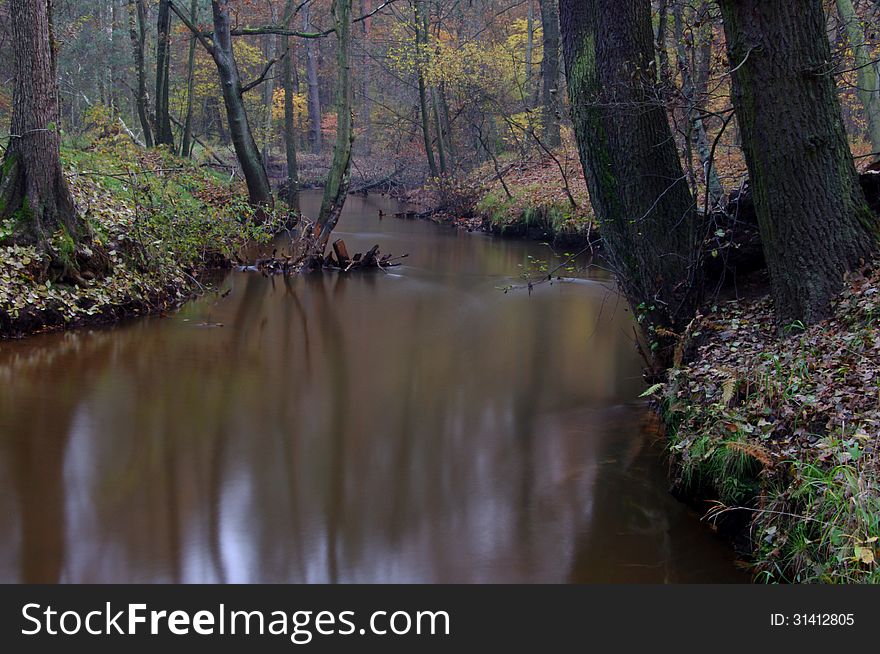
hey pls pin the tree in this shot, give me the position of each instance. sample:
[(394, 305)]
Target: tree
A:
[(550, 71), (421, 44), (637, 188), (696, 48), (867, 70), (289, 126), (339, 177), (187, 140), (813, 218), (164, 135), (137, 29), (312, 82), (33, 191), (219, 46)]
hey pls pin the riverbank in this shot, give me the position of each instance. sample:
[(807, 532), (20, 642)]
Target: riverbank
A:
[(165, 222), (542, 198), (776, 435)]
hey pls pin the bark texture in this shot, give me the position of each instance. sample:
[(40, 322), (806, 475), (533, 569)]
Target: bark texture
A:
[(813, 217), (636, 184), (33, 191)]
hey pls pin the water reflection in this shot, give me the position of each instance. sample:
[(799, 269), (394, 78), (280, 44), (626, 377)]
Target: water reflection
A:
[(416, 426)]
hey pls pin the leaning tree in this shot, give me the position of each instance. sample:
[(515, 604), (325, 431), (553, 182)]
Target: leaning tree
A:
[(33, 192)]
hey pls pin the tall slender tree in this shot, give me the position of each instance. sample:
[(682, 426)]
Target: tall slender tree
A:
[(867, 70), (137, 29), (187, 140), (164, 133), (292, 196), (814, 221), (219, 46), (421, 44), (636, 184), (314, 96), (339, 177), (33, 191), (550, 71)]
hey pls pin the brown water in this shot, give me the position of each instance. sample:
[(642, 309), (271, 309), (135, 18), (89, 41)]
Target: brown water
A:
[(416, 426)]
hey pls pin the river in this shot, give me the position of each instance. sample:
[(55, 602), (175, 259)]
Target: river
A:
[(416, 426)]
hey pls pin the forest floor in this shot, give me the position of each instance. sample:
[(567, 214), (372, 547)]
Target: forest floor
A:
[(165, 222), (777, 434)]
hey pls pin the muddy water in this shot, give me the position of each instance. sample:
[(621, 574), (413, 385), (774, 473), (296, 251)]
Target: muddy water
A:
[(415, 426)]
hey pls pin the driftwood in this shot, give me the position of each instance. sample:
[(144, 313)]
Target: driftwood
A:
[(338, 259)]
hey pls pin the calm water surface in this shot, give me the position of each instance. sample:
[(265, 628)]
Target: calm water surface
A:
[(419, 426)]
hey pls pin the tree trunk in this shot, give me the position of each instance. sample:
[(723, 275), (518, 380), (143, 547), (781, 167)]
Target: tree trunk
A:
[(550, 71), (33, 191), (138, 32), (164, 134), (366, 102), (186, 140), (814, 221), (423, 93), (289, 123), (686, 49), (637, 188), (259, 191), (312, 81), (339, 177), (530, 48), (867, 70)]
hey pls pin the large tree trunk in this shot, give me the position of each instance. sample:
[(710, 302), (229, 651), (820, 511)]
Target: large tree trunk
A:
[(186, 139), (550, 71), (339, 177), (867, 70), (289, 123), (164, 134), (33, 191), (259, 191), (138, 32), (637, 187), (814, 221), (314, 98)]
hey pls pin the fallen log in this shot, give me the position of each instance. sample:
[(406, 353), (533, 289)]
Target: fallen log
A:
[(338, 260)]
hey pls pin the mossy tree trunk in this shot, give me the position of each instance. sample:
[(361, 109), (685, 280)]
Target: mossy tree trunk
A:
[(339, 177), (33, 191), (814, 221), (637, 188)]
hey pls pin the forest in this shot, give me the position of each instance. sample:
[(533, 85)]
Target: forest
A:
[(318, 243)]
